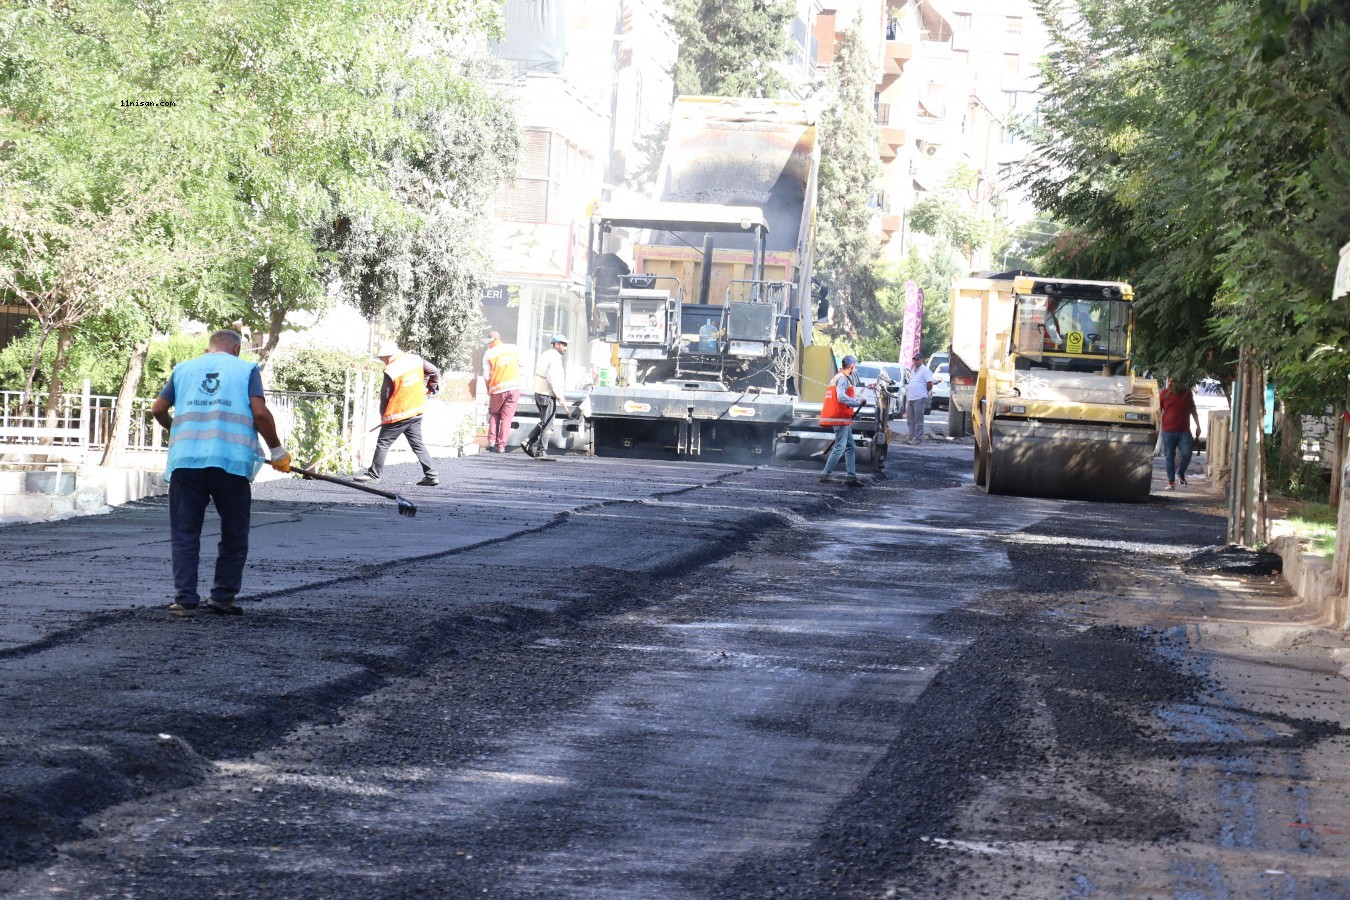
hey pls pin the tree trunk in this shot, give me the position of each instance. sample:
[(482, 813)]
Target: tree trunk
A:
[(64, 337), (1291, 441), (1247, 495), (33, 370), (1337, 456), (126, 398), (276, 322)]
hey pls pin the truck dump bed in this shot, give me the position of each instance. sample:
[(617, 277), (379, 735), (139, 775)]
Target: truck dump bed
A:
[(981, 317), (744, 152)]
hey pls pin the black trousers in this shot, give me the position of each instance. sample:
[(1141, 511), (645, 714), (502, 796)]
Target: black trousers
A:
[(190, 490), (410, 429), (542, 435)]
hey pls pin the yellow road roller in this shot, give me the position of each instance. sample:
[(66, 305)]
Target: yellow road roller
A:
[(1057, 410)]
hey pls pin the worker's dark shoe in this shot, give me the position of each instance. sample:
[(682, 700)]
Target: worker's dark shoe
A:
[(829, 479), (543, 456), (366, 476), (529, 449), (182, 610), (853, 481), (429, 481), (224, 607)]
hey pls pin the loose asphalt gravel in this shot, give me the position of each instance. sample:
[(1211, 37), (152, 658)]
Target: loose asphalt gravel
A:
[(601, 678)]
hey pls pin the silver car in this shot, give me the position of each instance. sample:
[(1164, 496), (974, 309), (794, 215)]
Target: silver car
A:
[(942, 388), (870, 372)]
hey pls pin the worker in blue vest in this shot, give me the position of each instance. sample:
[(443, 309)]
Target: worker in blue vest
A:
[(219, 411)]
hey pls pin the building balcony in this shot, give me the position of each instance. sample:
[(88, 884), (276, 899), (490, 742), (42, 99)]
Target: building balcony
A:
[(894, 56), (890, 224), (892, 138)]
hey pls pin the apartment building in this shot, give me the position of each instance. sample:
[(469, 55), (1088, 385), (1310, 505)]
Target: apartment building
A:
[(591, 79), (950, 77)]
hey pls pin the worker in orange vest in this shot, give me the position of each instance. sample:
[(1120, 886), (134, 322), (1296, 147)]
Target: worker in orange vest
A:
[(842, 399), (408, 380), (501, 372)]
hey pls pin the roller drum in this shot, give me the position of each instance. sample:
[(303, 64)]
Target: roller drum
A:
[(1070, 461)]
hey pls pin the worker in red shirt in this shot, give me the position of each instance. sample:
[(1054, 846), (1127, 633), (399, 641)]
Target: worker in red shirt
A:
[(1178, 405)]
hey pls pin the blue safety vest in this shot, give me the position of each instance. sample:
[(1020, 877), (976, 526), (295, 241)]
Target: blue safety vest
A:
[(213, 420)]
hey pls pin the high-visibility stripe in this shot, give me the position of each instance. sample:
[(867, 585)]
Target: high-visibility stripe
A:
[(228, 418), (213, 434), (213, 416)]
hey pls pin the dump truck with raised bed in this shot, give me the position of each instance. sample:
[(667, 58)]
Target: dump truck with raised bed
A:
[(704, 297), (1057, 409)]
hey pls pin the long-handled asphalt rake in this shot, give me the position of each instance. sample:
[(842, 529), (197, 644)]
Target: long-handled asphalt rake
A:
[(405, 506)]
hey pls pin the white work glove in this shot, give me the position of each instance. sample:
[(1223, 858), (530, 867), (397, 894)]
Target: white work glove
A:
[(279, 458)]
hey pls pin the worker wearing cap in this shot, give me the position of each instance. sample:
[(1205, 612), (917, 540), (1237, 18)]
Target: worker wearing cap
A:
[(408, 380), (549, 379), (842, 399), (920, 387)]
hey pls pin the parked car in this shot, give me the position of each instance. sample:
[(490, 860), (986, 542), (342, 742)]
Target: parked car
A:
[(942, 388), (868, 373)]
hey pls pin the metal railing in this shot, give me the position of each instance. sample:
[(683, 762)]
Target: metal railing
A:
[(86, 419)]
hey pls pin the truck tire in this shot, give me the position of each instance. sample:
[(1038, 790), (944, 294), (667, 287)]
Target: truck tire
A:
[(880, 440), (958, 422)]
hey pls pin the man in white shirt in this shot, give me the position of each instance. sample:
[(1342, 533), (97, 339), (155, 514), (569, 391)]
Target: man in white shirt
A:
[(549, 380), (920, 386)]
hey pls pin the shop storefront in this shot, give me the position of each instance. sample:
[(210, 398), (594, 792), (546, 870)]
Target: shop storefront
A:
[(528, 313)]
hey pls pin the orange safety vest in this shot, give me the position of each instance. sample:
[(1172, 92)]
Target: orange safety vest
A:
[(503, 362), (832, 412), (409, 397)]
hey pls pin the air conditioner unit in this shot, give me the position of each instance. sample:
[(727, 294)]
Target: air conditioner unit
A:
[(928, 149)]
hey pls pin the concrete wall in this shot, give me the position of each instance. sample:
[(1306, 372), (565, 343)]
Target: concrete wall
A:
[(1311, 577), (96, 490)]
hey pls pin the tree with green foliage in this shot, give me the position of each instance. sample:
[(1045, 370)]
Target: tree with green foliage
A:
[(424, 283), (846, 244), (728, 48), (946, 216), (111, 200), (168, 160), (1201, 153), (337, 101), (933, 273)]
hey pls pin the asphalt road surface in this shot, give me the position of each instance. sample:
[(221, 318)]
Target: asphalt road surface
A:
[(597, 678)]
